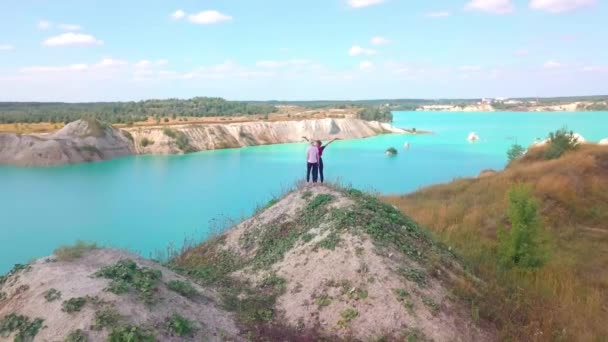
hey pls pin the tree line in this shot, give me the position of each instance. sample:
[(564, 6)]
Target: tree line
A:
[(126, 112)]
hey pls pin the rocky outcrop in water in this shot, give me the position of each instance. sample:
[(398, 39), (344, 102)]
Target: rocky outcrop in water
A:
[(79, 141), (159, 140)]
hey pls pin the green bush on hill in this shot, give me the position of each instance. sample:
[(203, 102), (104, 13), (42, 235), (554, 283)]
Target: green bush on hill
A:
[(522, 246), (515, 152), (560, 142)]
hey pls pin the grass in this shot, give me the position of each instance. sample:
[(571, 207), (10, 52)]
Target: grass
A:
[(567, 298), (415, 275), (180, 326), (330, 242), (130, 333), (52, 295), (25, 328), (127, 275), (323, 300), (18, 268), (181, 139), (73, 304), (146, 142), (184, 288), (404, 297), (76, 251), (77, 336), (347, 316), (430, 304), (106, 317)]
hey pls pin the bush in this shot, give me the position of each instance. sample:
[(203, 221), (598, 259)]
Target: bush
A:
[(170, 132), (125, 274), (73, 304), (560, 142), (145, 142), (52, 295), (70, 253), (183, 288), (180, 326), (515, 152), (521, 246), (77, 336), (129, 333)]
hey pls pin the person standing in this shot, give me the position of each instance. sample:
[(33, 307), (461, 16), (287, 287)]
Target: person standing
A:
[(312, 162), (321, 148)]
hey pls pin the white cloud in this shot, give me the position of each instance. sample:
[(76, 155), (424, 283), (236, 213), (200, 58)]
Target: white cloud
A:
[(470, 68), (440, 14), (70, 27), (552, 64), (272, 64), (208, 17), (71, 38), (179, 14), (522, 52), (366, 65), (595, 68), (491, 6), (144, 63), (560, 6), (6, 47), (44, 25), (378, 40), (363, 3), (356, 50), (110, 62)]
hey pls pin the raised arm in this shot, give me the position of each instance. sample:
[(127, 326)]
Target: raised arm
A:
[(331, 141)]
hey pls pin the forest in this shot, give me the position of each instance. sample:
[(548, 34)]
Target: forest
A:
[(126, 112)]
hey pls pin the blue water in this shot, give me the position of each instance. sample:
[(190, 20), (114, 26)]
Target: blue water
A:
[(145, 203)]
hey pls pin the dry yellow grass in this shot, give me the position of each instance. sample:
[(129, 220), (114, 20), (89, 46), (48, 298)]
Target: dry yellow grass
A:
[(567, 300)]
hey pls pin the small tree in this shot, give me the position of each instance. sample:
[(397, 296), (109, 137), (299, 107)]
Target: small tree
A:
[(521, 246), (560, 142), (515, 152)]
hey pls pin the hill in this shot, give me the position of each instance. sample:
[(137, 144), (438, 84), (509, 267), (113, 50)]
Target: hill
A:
[(568, 298), (320, 264)]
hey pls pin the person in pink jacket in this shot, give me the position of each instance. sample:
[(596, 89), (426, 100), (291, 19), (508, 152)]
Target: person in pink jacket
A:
[(312, 162)]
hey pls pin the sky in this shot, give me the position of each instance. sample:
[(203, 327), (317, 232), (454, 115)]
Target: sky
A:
[(110, 50)]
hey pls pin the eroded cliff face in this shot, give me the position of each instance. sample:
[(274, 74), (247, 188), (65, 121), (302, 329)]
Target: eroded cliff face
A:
[(79, 141), (89, 140), (219, 136)]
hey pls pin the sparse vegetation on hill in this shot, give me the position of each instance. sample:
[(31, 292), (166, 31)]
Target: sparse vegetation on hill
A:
[(564, 300)]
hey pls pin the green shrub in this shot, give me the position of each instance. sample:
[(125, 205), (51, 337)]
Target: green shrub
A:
[(25, 328), (73, 304), (77, 336), (145, 142), (125, 274), (391, 151), (52, 295), (522, 246), (106, 318), (180, 326), (70, 253), (130, 333), (560, 142), (515, 152), (183, 288)]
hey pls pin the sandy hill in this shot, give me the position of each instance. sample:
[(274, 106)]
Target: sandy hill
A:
[(566, 300), (330, 264), (320, 264), (79, 141)]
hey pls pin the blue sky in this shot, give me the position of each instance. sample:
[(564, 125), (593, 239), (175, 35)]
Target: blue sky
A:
[(74, 50)]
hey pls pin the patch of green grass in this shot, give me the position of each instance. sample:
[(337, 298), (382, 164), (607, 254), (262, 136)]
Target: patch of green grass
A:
[(184, 288), (307, 237), (274, 242), (171, 133), (211, 267), (146, 142), (25, 328), (125, 275), (330, 242), (107, 317), (319, 201), (323, 300), (415, 275), (306, 195), (77, 336), (52, 295), (274, 282), (73, 304), (76, 251), (404, 297), (431, 305), (347, 316), (130, 333), (180, 326)]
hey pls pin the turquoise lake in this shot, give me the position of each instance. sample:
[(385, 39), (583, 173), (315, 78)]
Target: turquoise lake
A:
[(146, 203)]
